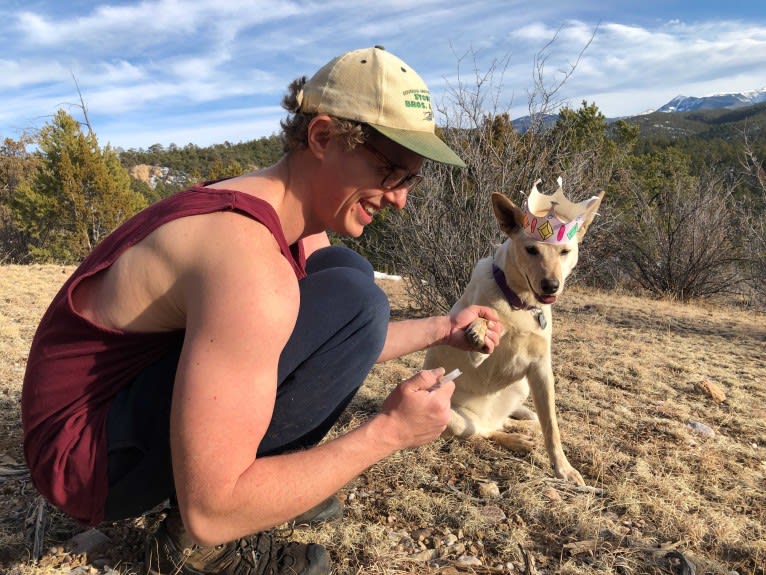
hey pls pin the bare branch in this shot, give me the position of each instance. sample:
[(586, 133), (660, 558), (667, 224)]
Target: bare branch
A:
[(83, 106)]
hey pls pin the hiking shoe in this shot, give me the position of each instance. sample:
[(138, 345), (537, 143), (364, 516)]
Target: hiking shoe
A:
[(170, 551), (328, 510)]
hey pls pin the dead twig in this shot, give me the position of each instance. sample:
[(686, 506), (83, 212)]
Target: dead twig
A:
[(37, 523)]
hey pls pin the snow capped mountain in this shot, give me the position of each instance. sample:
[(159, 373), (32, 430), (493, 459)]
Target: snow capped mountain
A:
[(730, 101), (715, 101)]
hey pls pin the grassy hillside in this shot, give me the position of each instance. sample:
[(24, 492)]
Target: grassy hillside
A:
[(676, 473)]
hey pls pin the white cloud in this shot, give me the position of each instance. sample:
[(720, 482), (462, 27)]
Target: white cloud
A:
[(19, 73), (142, 65)]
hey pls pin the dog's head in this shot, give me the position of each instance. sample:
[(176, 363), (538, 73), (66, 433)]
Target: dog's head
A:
[(537, 267)]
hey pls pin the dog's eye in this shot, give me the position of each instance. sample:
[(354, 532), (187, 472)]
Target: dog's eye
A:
[(565, 252), (532, 250)]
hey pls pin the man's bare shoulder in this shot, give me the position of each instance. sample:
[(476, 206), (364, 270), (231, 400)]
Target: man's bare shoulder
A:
[(230, 255), (216, 235), (154, 284)]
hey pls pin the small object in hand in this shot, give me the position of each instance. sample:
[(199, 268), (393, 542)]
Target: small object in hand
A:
[(475, 332), (446, 378)]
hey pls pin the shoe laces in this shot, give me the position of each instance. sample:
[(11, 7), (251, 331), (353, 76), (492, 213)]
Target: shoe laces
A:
[(268, 551), (259, 551)]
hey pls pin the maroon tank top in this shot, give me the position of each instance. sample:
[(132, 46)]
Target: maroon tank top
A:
[(75, 368)]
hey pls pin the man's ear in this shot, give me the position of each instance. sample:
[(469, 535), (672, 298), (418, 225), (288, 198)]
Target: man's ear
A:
[(319, 134)]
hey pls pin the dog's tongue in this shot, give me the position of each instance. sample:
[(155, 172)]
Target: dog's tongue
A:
[(547, 299)]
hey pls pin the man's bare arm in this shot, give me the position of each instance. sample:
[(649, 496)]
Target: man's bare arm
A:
[(240, 314), (408, 336)]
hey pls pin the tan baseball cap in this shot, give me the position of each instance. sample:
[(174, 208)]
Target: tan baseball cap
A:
[(376, 88)]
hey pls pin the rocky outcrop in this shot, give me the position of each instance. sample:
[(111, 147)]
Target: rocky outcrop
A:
[(150, 175)]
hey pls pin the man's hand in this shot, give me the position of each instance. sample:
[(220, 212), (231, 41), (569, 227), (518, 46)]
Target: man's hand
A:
[(461, 320), (418, 409)]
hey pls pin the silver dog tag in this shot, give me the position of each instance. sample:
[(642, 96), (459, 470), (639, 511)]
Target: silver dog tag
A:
[(541, 318)]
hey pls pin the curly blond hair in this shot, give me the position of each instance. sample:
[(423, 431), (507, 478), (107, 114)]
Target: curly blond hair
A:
[(295, 126)]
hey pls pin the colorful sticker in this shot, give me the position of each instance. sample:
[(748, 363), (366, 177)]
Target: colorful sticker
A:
[(545, 231)]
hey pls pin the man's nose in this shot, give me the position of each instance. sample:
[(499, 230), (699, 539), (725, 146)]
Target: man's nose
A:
[(396, 198)]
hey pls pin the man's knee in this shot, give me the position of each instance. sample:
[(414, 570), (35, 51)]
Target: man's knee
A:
[(372, 312), (335, 257)]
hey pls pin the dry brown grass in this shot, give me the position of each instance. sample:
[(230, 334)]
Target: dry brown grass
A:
[(630, 374)]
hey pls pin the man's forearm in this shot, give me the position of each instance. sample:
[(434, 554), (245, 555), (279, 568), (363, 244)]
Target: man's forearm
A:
[(411, 335), (278, 487)]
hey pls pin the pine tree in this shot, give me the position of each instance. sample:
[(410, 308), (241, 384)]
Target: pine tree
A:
[(17, 165), (79, 193)]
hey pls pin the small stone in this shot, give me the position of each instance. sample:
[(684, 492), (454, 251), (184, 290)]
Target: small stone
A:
[(712, 390), (551, 494), (425, 555), (422, 534), (492, 514), (87, 542), (488, 490), (700, 428), (469, 561), (449, 540)]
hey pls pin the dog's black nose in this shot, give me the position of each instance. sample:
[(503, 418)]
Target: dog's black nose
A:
[(549, 286)]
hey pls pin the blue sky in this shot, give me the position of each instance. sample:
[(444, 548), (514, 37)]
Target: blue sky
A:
[(206, 72)]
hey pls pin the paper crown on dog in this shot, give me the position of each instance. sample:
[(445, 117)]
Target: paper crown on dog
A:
[(553, 219)]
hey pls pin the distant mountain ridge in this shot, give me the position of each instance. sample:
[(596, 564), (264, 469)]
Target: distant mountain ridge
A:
[(679, 105), (730, 101)]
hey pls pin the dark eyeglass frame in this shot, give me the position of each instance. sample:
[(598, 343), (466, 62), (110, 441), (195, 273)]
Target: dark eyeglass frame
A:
[(390, 181)]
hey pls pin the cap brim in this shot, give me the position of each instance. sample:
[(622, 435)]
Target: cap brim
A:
[(424, 144)]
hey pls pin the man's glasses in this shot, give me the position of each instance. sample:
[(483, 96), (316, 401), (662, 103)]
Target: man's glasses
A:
[(396, 177)]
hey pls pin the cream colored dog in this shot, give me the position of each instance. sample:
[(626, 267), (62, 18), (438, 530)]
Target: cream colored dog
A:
[(521, 281)]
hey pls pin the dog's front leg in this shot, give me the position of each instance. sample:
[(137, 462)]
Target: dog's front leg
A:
[(542, 386)]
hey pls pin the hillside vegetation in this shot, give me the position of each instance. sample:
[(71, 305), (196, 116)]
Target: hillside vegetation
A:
[(705, 125), (682, 218), (710, 137)]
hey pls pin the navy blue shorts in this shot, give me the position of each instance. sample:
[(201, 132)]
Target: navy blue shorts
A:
[(340, 331)]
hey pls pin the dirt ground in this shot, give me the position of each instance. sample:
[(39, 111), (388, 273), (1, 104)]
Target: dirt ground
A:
[(662, 408)]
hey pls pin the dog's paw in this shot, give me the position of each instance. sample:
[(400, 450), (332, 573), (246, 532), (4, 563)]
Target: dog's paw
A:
[(569, 473), (475, 332), (513, 441)]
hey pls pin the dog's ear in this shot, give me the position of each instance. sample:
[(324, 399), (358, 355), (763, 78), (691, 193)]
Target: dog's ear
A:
[(588, 216), (509, 215)]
